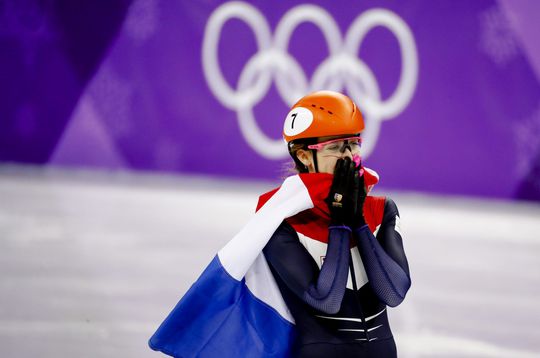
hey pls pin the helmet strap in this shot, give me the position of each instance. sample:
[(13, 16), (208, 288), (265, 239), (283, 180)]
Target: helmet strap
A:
[(315, 164)]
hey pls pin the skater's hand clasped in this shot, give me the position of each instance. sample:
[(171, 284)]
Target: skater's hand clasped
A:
[(343, 195)]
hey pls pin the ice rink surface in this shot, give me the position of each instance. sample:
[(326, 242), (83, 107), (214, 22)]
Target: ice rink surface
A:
[(91, 263)]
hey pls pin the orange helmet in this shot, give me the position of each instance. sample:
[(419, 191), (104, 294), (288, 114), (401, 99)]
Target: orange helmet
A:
[(322, 114)]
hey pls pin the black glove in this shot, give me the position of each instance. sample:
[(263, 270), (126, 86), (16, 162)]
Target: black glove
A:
[(343, 194), (361, 193)]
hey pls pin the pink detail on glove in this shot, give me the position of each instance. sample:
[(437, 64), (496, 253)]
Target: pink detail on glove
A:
[(357, 159)]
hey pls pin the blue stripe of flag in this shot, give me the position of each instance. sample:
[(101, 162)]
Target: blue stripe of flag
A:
[(220, 317)]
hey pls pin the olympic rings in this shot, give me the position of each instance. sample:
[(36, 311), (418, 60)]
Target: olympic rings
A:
[(341, 70)]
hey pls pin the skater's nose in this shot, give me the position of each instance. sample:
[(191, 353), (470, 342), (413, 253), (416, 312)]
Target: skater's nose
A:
[(347, 152)]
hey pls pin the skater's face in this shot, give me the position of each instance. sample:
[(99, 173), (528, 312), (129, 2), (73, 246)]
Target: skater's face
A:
[(327, 157)]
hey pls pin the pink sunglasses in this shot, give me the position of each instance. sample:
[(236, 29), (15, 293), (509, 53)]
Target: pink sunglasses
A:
[(320, 146)]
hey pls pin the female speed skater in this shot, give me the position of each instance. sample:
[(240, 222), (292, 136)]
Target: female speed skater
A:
[(313, 270), (340, 264)]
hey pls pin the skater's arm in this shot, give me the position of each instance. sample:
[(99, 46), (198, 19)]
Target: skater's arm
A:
[(322, 289), (384, 257)]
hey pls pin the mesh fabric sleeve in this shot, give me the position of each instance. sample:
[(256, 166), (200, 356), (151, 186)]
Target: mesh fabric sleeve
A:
[(384, 257), (321, 289)]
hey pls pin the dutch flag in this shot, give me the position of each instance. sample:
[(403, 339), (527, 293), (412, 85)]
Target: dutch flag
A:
[(235, 308)]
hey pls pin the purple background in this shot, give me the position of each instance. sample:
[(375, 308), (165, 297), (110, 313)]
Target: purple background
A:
[(120, 85)]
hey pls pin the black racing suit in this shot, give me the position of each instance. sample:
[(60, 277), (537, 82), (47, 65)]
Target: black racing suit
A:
[(332, 320)]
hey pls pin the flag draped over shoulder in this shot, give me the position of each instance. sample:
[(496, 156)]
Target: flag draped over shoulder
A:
[(235, 308)]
